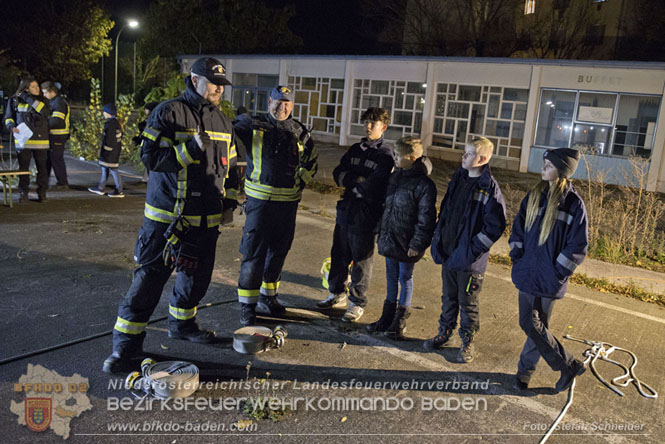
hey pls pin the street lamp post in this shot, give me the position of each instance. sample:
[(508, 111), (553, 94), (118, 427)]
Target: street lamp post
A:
[(131, 24)]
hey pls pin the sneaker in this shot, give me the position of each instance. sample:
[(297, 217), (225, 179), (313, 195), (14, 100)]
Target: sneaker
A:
[(568, 375), (247, 314), (353, 313), (198, 335), (466, 352), (270, 304), (116, 193), (333, 301), (438, 341), (97, 190)]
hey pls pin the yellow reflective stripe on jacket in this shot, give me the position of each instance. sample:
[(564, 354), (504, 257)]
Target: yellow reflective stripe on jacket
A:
[(151, 133), (266, 192), (214, 135), (182, 314), (257, 148), (23, 107), (131, 328), (58, 114), (213, 220), (8, 121), (231, 193), (181, 191), (165, 142), (182, 155), (37, 105), (233, 152), (58, 132), (37, 144), (305, 175), (157, 214)]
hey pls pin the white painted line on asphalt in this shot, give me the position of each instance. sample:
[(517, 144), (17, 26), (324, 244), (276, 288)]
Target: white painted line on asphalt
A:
[(330, 225), (591, 301)]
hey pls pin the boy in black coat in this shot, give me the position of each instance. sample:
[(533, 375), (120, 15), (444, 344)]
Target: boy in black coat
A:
[(363, 171), (471, 219), (109, 153), (406, 231)]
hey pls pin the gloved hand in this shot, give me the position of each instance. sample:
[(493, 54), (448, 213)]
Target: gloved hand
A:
[(202, 139)]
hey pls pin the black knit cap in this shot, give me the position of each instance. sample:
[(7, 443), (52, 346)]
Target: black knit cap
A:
[(565, 160)]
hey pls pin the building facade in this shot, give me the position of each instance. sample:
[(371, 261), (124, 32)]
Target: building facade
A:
[(523, 106)]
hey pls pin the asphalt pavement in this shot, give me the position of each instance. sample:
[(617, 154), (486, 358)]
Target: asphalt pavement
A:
[(66, 262)]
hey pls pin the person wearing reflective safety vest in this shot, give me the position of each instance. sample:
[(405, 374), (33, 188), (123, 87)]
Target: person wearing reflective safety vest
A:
[(189, 146), (281, 160), (58, 133), (29, 107)]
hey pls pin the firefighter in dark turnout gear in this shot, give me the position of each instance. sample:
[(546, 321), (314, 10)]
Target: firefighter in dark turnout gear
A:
[(281, 160), (29, 107), (189, 146), (58, 133)]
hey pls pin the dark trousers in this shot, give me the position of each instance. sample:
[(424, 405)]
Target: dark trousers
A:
[(357, 247), (40, 156), (401, 272), (266, 240), (151, 276), (460, 295), (105, 175), (535, 314), (56, 161)]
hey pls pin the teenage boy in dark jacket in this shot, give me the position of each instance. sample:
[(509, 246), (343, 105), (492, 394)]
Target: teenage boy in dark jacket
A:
[(109, 153), (472, 218), (406, 231), (363, 171)]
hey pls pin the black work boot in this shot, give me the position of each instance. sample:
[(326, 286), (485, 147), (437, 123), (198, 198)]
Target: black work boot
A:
[(270, 304), (438, 341), (397, 327), (190, 331), (568, 375), (126, 357), (386, 318), (247, 314)]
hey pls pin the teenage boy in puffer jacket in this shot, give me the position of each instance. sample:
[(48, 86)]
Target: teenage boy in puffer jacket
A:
[(472, 218), (406, 231)]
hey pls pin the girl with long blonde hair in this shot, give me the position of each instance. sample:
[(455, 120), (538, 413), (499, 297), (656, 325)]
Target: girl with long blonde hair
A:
[(549, 240)]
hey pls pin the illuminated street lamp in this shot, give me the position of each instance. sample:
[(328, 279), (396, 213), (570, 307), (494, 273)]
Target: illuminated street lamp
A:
[(131, 24)]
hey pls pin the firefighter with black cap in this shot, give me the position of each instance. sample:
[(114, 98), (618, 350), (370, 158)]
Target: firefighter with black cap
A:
[(190, 148), (281, 160)]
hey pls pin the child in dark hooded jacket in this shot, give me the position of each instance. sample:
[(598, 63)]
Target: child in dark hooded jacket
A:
[(406, 231)]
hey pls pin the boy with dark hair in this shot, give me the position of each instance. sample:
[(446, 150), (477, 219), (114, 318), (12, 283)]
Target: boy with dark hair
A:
[(363, 171), (471, 219), (58, 134)]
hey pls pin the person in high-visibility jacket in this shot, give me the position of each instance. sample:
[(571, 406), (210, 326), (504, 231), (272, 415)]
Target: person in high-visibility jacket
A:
[(190, 148), (281, 160), (27, 106), (58, 134)]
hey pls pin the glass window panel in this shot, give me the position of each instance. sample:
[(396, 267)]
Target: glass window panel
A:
[(461, 131), (440, 105), (497, 128), (242, 79), (520, 112), (379, 87), (636, 125), (595, 136), (477, 118), (596, 107), (445, 142), (450, 126), (400, 84), (356, 98), (330, 111), (324, 93), (415, 87), (518, 134), (309, 83), (484, 98), (506, 110), (493, 108), (452, 88), (249, 100), (238, 94), (333, 96), (302, 97), (470, 93), (337, 83), (517, 95), (357, 83), (338, 118), (514, 152), (417, 122), (442, 87), (369, 101), (358, 130), (355, 115), (269, 81), (456, 109), (387, 103), (408, 103), (292, 80), (485, 89), (393, 133), (438, 125), (555, 118), (403, 118), (399, 98), (365, 83), (262, 99), (495, 89)]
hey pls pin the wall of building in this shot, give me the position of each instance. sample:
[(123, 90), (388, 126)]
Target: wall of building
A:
[(523, 106)]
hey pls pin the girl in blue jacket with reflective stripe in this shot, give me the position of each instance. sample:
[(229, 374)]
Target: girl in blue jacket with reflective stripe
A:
[(549, 240)]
